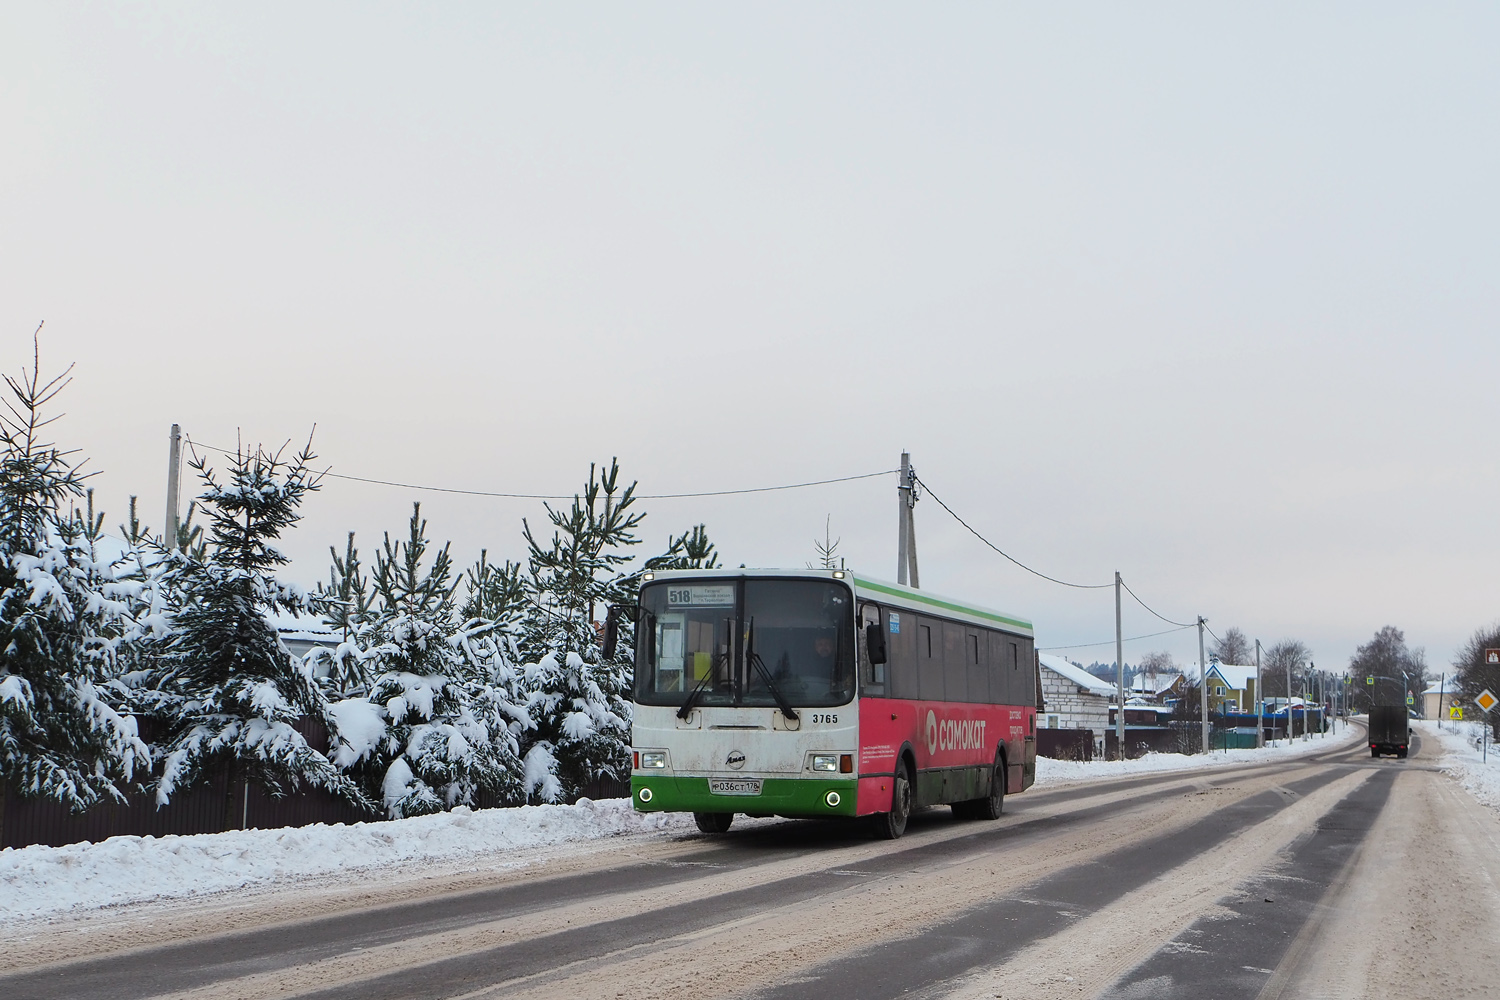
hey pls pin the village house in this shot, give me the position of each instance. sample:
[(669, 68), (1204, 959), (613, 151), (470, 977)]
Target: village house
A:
[(1074, 699), (1439, 699)]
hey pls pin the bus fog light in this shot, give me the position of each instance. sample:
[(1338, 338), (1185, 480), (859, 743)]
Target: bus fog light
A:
[(653, 759), (833, 799), (645, 795), (825, 762)]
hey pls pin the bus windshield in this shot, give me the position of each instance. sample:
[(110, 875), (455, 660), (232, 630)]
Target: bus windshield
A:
[(744, 642)]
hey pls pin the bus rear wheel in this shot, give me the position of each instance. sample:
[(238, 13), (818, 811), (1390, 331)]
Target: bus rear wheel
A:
[(891, 825), (713, 822), (992, 804)]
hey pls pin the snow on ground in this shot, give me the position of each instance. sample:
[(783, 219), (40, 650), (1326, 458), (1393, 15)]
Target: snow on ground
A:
[(1052, 773), (38, 881), (1462, 758)]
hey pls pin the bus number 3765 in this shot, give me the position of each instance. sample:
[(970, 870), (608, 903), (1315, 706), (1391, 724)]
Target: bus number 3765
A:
[(824, 717)]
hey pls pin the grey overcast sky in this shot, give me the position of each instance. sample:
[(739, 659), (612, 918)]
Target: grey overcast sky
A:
[(1205, 293)]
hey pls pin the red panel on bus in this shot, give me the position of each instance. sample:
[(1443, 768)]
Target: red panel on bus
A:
[(940, 734)]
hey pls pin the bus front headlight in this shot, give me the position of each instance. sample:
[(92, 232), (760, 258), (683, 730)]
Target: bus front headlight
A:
[(653, 759), (825, 762)]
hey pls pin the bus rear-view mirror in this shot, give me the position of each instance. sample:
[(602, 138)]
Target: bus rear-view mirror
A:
[(875, 642), (611, 632)]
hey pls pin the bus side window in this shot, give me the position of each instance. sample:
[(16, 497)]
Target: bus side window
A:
[(955, 662), (1015, 661), (871, 675), (930, 659), (901, 647), (1002, 684), (977, 657)]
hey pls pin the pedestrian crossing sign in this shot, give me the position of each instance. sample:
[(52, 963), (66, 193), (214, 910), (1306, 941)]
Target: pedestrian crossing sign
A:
[(1456, 712), (1486, 700), (1410, 700)]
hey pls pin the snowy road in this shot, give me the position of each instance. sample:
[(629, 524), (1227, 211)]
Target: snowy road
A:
[(1332, 875)]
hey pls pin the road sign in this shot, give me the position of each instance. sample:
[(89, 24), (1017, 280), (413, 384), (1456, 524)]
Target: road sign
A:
[(1370, 681), (1492, 657), (1410, 700), (1456, 712), (1486, 700)]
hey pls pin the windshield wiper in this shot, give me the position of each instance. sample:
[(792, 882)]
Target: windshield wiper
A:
[(691, 700), (759, 664), (686, 710)]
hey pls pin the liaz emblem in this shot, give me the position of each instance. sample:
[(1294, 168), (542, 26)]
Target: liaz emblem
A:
[(736, 759)]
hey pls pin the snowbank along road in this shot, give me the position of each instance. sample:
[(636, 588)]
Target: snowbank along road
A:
[(1332, 875)]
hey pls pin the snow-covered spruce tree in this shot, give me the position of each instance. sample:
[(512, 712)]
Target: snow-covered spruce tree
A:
[(578, 699), (346, 603), (441, 721), (231, 690), (62, 736)]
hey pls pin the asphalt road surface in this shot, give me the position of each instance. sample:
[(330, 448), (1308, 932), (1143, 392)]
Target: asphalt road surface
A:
[(1331, 876)]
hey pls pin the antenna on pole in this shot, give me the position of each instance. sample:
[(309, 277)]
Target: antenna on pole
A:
[(174, 487)]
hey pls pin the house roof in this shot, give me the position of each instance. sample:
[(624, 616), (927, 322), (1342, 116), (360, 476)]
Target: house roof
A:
[(1442, 687), (1077, 675), (1234, 675), (305, 628), (1153, 683)]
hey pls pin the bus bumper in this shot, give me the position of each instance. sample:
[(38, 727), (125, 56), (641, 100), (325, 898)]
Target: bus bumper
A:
[(803, 797)]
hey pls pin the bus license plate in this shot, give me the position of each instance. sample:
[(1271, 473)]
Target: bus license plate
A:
[(734, 786)]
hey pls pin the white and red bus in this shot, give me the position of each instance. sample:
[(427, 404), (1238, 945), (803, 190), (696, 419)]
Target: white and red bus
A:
[(818, 693)]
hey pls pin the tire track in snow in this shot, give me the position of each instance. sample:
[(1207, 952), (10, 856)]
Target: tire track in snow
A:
[(994, 931)]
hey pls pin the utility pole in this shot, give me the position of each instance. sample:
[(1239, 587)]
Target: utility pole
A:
[(1260, 703), (1203, 682), (1322, 697), (1119, 673), (1289, 700), (174, 487), (906, 546), (903, 509), (911, 535)]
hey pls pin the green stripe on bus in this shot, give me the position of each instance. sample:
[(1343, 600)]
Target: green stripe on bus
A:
[(883, 589), (802, 797)]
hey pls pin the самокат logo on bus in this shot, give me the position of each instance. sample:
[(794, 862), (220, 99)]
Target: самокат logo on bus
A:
[(953, 734)]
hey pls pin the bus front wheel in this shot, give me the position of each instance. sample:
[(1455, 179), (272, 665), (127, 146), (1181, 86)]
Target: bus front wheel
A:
[(713, 822), (891, 825)]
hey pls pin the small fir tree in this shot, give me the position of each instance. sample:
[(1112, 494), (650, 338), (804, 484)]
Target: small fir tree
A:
[(440, 725), (346, 603), (62, 619), (234, 690), (577, 699)]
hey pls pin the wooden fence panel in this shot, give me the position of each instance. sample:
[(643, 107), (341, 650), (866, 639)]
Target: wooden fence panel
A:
[(212, 806)]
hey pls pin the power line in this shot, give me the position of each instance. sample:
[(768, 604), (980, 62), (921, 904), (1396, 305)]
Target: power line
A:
[(1111, 642), (1153, 610), (546, 496), (1044, 576)]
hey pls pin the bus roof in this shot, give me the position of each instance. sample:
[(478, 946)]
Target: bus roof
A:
[(891, 594)]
